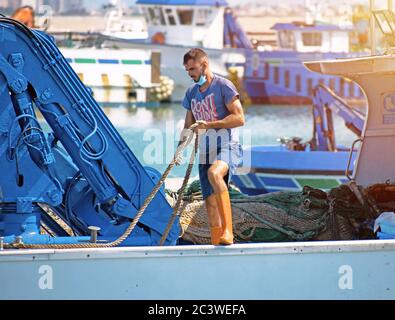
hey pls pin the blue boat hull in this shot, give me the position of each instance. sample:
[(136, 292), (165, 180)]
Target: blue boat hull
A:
[(279, 77), (275, 168)]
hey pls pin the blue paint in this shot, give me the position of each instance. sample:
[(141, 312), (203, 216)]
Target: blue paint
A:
[(108, 61), (383, 235), (278, 182), (307, 27)]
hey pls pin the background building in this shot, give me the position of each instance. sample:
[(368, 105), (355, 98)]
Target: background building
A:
[(58, 6)]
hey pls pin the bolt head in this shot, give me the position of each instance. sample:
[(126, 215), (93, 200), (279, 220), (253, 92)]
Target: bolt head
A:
[(93, 228)]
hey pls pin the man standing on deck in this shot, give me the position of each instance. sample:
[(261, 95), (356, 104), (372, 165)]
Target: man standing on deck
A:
[(213, 104)]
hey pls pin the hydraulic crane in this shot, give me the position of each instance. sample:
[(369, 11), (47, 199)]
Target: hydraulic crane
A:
[(80, 171)]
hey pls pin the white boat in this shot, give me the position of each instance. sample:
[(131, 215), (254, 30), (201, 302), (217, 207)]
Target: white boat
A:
[(120, 26), (313, 271), (120, 77), (203, 25)]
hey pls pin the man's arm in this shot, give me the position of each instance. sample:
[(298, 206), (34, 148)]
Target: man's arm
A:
[(234, 120), (189, 119)]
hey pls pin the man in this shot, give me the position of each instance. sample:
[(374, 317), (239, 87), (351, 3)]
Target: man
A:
[(213, 104)]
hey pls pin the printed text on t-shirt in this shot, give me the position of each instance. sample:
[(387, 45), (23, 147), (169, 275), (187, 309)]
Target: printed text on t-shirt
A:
[(204, 109)]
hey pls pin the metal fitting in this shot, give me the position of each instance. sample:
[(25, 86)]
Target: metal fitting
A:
[(94, 231), (18, 240)]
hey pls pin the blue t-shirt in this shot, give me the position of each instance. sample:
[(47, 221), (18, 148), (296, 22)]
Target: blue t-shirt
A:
[(210, 105)]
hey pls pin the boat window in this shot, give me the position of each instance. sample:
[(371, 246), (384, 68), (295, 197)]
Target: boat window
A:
[(185, 16), (170, 17), (156, 16), (151, 14), (298, 83), (287, 79), (203, 16), (287, 39), (147, 15), (313, 39)]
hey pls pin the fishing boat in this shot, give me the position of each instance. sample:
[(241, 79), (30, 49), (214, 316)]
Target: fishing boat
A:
[(120, 77), (278, 76), (354, 269), (208, 24), (292, 164)]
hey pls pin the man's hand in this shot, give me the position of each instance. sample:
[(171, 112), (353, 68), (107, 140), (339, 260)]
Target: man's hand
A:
[(202, 126)]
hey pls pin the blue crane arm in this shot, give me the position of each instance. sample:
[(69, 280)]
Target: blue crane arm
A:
[(325, 103), (234, 35), (93, 178)]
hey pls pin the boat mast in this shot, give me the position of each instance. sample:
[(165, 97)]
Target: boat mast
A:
[(372, 29)]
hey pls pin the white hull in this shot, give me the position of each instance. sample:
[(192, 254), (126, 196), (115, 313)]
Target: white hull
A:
[(309, 270)]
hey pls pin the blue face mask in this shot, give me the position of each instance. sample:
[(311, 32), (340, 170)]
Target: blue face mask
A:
[(202, 80)]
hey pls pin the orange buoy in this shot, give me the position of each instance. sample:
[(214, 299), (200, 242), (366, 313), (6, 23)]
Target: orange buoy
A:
[(158, 38)]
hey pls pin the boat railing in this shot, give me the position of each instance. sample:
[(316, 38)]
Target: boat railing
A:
[(325, 103)]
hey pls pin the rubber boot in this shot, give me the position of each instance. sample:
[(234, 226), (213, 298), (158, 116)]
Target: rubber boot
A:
[(225, 212), (216, 233)]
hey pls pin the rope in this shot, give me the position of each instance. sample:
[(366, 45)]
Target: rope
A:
[(128, 231), (181, 192)]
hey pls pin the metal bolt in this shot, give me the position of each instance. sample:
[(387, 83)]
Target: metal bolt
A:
[(1, 243), (17, 85), (53, 195), (18, 240), (94, 231), (47, 94), (16, 60)]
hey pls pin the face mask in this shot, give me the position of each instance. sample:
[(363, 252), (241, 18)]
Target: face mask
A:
[(202, 79)]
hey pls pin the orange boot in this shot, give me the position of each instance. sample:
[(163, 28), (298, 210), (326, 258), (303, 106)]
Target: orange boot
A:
[(225, 212), (216, 233)]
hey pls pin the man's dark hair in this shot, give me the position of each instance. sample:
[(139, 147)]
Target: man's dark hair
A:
[(195, 54)]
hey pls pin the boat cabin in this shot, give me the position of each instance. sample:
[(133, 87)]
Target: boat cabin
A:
[(302, 37), (185, 22)]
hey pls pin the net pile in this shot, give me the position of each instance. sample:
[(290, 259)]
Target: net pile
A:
[(292, 216)]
